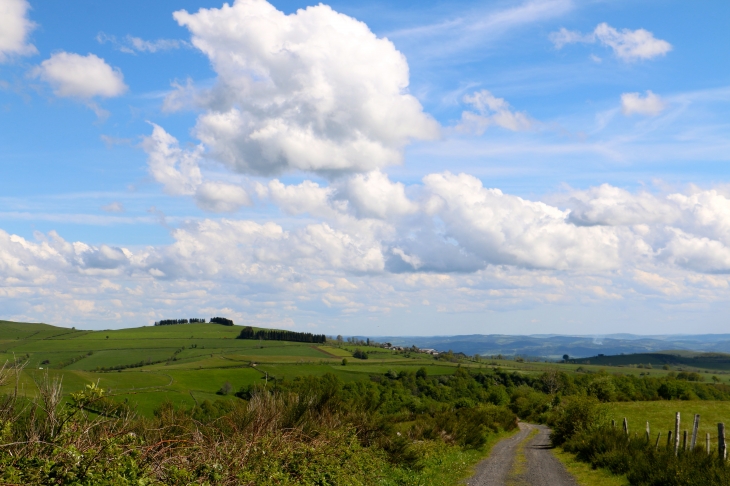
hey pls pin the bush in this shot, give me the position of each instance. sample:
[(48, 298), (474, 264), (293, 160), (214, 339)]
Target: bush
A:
[(575, 415), (643, 464), (360, 354)]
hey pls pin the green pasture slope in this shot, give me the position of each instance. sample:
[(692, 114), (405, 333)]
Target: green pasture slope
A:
[(695, 361), (185, 363)]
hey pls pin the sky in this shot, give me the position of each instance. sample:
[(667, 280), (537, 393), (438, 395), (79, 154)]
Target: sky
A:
[(367, 168)]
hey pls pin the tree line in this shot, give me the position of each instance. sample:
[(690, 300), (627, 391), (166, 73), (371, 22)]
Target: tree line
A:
[(194, 320), (277, 335), (173, 322)]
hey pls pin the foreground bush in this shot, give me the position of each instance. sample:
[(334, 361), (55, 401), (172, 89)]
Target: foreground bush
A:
[(310, 431)]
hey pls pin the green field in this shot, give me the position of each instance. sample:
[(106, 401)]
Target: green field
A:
[(676, 359), (184, 364), (660, 416)]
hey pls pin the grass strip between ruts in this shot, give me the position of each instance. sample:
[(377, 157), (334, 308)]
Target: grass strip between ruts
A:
[(519, 465)]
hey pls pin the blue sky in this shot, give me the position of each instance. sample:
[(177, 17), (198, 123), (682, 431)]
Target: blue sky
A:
[(367, 168)]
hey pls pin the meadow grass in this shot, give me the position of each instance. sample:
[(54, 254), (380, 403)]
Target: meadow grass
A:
[(660, 415), (109, 358), (335, 351), (211, 380)]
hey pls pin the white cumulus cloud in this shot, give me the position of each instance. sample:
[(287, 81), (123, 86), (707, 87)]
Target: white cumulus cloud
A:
[(628, 45), (219, 197), (178, 170), (492, 111), (505, 229), (75, 76), (315, 90), (650, 104), (175, 168), (14, 29), (613, 206), (374, 195)]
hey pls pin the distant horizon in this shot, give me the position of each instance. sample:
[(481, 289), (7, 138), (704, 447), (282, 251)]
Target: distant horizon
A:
[(406, 336)]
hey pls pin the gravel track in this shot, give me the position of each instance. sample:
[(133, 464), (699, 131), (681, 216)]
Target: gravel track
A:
[(494, 470), (542, 468)]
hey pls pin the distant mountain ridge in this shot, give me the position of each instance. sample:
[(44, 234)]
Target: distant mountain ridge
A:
[(554, 346)]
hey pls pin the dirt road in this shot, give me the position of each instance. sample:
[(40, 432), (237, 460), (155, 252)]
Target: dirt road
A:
[(523, 459)]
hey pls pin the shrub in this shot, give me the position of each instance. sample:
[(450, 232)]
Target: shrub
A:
[(643, 464), (575, 415), (360, 354)]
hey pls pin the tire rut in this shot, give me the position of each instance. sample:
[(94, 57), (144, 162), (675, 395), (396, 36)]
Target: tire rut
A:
[(540, 467), (495, 469)]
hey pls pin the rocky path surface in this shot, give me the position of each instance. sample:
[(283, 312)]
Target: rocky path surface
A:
[(523, 459)]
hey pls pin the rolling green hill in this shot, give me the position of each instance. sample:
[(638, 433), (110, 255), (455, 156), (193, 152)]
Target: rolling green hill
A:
[(700, 361), (185, 363)]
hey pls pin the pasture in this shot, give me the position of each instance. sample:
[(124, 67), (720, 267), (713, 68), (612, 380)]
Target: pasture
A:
[(183, 364), (660, 415)]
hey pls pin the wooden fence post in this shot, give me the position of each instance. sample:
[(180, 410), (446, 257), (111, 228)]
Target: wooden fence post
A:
[(721, 450), (676, 434), (613, 424), (657, 440), (684, 440), (669, 439), (707, 443), (648, 434), (695, 431), (626, 426)]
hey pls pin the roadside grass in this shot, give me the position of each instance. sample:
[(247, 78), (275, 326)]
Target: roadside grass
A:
[(660, 415), (584, 474)]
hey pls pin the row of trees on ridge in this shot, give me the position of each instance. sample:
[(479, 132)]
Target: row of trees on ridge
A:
[(248, 332)]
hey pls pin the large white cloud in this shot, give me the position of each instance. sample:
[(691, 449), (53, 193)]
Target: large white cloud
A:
[(628, 45), (504, 229), (75, 76), (14, 29), (315, 91)]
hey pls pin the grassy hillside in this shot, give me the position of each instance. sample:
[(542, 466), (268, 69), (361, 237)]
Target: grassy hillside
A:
[(704, 361), (390, 411), (185, 364)]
